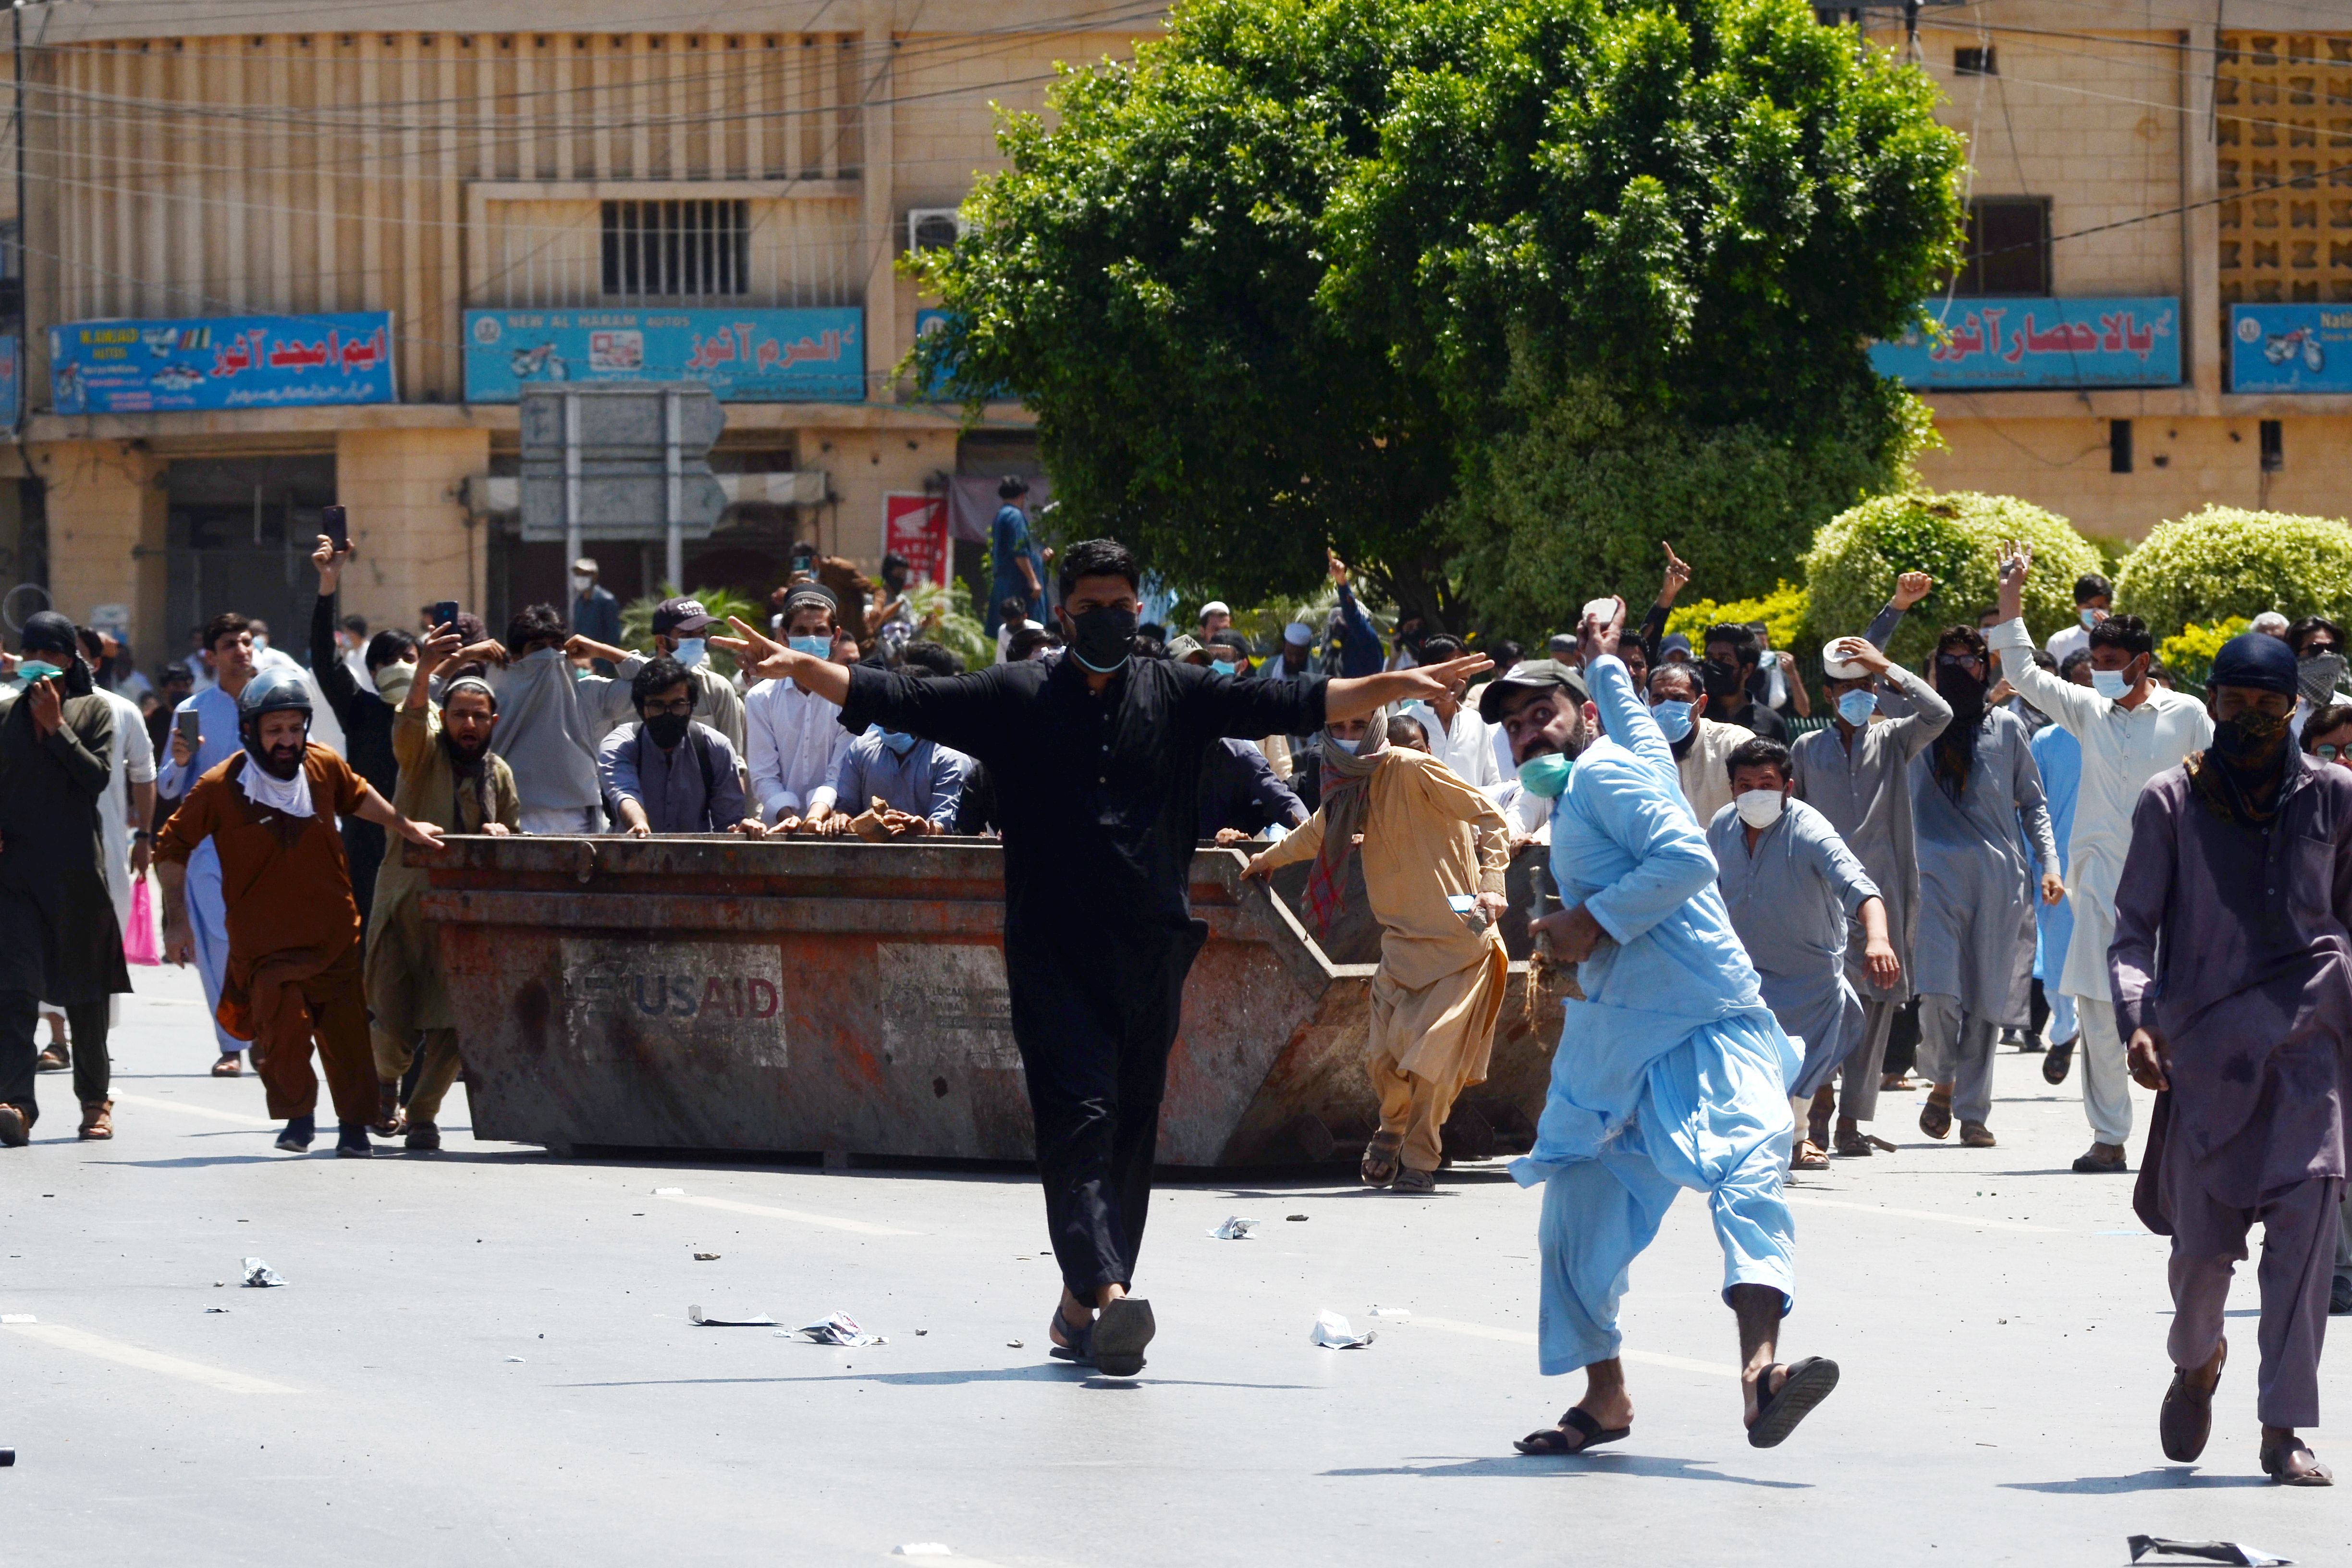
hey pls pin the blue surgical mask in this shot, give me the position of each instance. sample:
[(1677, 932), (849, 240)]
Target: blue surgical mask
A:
[(1855, 707), (1221, 667), (1347, 746), (33, 669), (1545, 776), (2088, 617), (2109, 684), (898, 743), (815, 647), (690, 652), (1674, 717)]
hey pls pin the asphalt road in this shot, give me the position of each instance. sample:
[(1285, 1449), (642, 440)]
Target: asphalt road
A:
[(486, 1357)]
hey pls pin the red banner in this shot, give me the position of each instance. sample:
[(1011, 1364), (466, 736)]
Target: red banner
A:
[(916, 527)]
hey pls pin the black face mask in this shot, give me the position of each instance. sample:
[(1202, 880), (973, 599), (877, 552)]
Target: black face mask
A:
[(1102, 640), (667, 730), (1722, 680), (1964, 691), (2252, 741)]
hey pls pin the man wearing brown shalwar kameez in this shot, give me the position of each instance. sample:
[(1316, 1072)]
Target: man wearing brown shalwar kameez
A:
[(1435, 852), (2232, 970)]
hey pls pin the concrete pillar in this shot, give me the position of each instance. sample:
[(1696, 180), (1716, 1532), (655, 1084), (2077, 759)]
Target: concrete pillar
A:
[(879, 212), (406, 492), (107, 513), (2204, 345)]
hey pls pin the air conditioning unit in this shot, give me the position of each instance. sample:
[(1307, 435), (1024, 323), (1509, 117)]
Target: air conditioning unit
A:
[(933, 228)]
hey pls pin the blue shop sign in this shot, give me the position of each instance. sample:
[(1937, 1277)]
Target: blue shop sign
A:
[(744, 356), (2039, 342), (12, 370), (221, 361), (2290, 348)]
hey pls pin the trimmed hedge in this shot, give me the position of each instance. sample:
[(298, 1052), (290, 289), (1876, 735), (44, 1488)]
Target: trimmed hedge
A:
[(2223, 561), (1955, 539), (1782, 611)]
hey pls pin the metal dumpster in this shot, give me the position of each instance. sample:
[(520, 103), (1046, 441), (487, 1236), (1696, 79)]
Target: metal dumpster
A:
[(838, 997)]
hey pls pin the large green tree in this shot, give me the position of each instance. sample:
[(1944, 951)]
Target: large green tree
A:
[(1483, 292)]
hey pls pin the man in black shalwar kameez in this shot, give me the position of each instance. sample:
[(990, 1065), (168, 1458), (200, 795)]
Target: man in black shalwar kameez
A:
[(1095, 759)]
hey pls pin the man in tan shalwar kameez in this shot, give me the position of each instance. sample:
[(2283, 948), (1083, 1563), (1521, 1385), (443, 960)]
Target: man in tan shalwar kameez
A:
[(449, 777), (1428, 839)]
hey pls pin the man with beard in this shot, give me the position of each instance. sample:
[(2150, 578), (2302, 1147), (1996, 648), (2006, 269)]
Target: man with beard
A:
[(1096, 758), (1856, 773), (2232, 971), (1969, 790), (449, 779), (1671, 1072), (1732, 652), (2131, 730), (58, 937), (293, 968)]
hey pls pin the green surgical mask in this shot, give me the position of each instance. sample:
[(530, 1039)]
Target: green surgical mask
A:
[(1545, 776)]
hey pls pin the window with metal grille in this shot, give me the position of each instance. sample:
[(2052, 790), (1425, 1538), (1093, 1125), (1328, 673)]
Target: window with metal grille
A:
[(678, 250), (2008, 247), (1975, 61)]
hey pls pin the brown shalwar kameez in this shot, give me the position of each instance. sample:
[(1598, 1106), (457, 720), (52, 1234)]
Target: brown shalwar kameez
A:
[(1428, 836), (2233, 948), (293, 932)]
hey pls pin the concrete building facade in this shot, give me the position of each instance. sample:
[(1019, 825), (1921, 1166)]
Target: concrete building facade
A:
[(199, 162), (2195, 156)]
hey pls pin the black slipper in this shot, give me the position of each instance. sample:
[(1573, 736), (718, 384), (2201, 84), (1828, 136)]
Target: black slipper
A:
[(1081, 1347), (1120, 1332), (1808, 1382), (1553, 1440)]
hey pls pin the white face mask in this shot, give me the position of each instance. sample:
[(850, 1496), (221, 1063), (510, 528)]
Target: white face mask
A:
[(582, 582), (1759, 807), (1347, 746), (2109, 684)]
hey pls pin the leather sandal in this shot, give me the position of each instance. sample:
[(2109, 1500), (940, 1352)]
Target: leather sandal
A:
[(228, 1065), (2275, 1466), (52, 1060), (16, 1126), (1935, 1116), (1575, 1423), (1379, 1164), (2185, 1418), (1977, 1135), (2061, 1057), (98, 1120), (1808, 1156)]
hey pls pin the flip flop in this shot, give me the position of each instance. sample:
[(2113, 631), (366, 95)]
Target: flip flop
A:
[(2185, 1418), (1120, 1332), (1553, 1440), (2274, 1466), (1808, 1382), (1080, 1351)]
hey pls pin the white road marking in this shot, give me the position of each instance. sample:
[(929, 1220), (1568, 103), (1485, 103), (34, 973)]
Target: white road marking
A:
[(1806, 1199), (1521, 1337), (862, 1227), (115, 1351), (153, 1104)]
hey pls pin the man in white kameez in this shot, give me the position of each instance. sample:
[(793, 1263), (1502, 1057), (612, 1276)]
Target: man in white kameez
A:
[(1671, 1072), (2131, 730)]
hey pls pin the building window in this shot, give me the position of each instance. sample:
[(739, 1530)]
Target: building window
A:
[(1975, 62), (2008, 247), (2119, 447), (2273, 435), (678, 250)]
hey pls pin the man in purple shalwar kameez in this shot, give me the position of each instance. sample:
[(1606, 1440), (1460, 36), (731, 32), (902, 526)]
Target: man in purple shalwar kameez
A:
[(2232, 969)]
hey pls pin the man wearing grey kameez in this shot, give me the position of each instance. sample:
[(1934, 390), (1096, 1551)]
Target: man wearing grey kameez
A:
[(1855, 772), (1791, 886), (2231, 976), (1970, 789)]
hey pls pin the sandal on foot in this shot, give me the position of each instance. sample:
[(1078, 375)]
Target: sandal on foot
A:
[(1378, 1166), (52, 1060), (1806, 1384), (1080, 1349), (1808, 1156), (2094, 1164), (2185, 1418), (2275, 1464), (1120, 1332), (1935, 1116), (98, 1120), (1977, 1135), (1414, 1184), (1853, 1146), (2061, 1057), (228, 1065), (1553, 1440)]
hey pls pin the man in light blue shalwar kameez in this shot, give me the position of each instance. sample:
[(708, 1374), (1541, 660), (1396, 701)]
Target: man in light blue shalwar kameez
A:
[(1671, 1071)]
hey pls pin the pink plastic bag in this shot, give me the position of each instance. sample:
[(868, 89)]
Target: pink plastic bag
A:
[(139, 943)]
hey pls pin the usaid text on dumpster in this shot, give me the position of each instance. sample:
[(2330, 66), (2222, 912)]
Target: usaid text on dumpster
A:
[(743, 356), (223, 362), (2039, 342)]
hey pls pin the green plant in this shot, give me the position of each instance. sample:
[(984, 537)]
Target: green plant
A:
[(1478, 291), (1783, 612), (2224, 562), (637, 619), (944, 616), (1955, 539), (2189, 653)]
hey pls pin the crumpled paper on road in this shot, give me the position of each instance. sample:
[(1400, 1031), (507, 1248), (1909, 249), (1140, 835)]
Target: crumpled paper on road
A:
[(1235, 1229), (2205, 1551), (841, 1329), (1333, 1331), (259, 1275)]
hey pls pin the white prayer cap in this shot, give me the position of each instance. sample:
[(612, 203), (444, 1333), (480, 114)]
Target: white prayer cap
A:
[(1838, 668), (1215, 607)]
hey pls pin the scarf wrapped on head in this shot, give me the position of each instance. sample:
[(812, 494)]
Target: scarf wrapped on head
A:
[(1346, 789)]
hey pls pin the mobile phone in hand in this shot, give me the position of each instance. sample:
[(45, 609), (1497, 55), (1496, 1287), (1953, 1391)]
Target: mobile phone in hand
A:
[(445, 611), (190, 725), (336, 524)]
